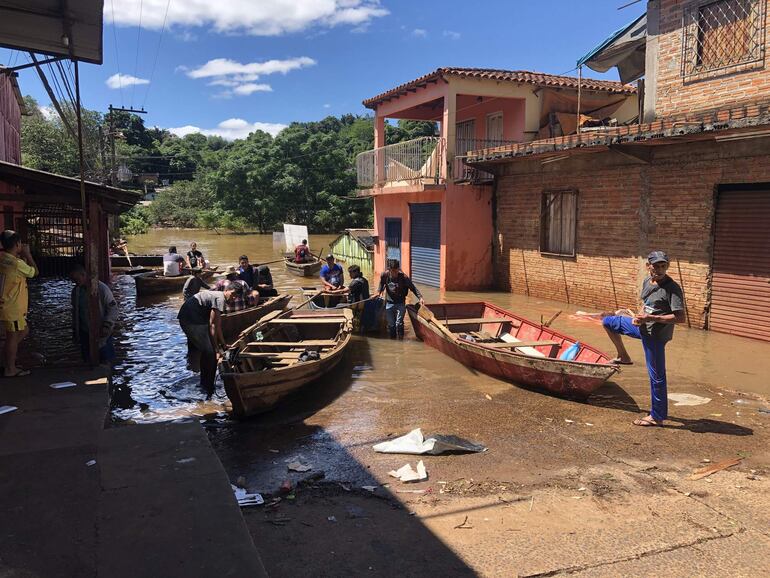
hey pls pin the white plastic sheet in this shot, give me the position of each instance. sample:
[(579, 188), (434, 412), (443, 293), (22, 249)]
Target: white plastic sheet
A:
[(294, 235), (414, 443), (406, 474)]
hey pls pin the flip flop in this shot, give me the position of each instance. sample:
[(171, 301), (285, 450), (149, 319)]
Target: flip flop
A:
[(618, 361), (647, 421), (19, 373)]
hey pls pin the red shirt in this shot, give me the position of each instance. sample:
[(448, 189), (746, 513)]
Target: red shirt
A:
[(300, 253)]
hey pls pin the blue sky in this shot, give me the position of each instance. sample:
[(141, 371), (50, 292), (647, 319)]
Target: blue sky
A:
[(226, 66)]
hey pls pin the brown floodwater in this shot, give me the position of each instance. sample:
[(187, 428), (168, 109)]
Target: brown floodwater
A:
[(152, 383)]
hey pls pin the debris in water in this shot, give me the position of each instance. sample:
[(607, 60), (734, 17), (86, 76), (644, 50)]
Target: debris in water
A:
[(415, 443), (62, 385), (298, 466), (7, 409), (708, 470), (464, 526), (406, 474), (688, 399)]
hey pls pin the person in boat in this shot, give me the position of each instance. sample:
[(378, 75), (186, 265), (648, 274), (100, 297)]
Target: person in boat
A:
[(396, 286), (108, 315), (16, 266), (201, 320), (302, 252), (332, 276), (264, 282), (118, 247), (172, 263), (194, 258), (248, 297), (663, 307), (195, 283), (358, 288)]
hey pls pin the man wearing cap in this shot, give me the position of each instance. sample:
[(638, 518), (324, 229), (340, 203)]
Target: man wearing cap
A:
[(662, 308), (247, 296), (332, 275)]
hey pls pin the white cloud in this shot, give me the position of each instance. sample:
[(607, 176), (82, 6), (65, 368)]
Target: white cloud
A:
[(246, 89), (327, 105), (123, 80), (247, 16), (239, 77), (419, 32), (230, 129), (451, 34), (48, 112)]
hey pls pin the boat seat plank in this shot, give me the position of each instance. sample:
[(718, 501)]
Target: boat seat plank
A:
[(308, 320), (476, 320), (519, 344), (306, 343), (271, 355)]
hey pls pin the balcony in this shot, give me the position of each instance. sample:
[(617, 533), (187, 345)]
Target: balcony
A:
[(417, 161), (463, 173)]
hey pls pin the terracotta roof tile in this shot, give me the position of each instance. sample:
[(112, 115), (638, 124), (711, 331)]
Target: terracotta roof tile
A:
[(517, 76)]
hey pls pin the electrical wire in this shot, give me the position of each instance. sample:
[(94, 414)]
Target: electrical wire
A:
[(136, 58), (117, 58), (157, 52)]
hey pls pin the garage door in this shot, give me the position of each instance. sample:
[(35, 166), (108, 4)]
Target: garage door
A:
[(425, 240), (740, 288)]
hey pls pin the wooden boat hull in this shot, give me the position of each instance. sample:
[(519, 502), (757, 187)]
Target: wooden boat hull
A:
[(331, 303), (256, 391), (574, 379), (136, 261), (303, 269), (154, 282), (234, 323)]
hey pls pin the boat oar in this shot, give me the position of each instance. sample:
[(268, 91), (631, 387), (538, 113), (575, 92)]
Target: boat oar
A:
[(128, 256), (316, 294), (271, 262), (428, 316)]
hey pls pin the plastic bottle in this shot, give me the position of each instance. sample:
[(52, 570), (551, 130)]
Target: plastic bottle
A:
[(571, 352)]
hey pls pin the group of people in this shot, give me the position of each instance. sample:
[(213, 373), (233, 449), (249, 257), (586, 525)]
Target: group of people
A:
[(175, 264)]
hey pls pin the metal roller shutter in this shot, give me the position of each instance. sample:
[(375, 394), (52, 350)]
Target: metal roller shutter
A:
[(425, 242), (740, 286)]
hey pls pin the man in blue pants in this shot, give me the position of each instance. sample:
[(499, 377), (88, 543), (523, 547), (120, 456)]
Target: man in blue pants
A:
[(396, 286), (663, 307)]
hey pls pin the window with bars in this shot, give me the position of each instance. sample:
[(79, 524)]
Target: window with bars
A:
[(558, 222), (721, 35)]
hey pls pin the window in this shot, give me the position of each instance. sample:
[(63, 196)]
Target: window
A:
[(722, 34), (465, 137), (558, 222), (494, 129)]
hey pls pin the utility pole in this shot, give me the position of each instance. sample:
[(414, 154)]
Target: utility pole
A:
[(101, 154), (113, 168)]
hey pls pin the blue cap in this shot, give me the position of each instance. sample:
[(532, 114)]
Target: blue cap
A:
[(657, 257)]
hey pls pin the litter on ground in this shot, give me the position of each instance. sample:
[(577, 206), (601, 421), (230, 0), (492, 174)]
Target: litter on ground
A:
[(688, 399), (406, 474), (62, 385), (714, 468), (246, 499), (298, 466), (415, 443), (7, 409)]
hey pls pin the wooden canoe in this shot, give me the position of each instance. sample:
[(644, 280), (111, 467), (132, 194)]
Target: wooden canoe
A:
[(496, 331), (259, 374), (154, 282), (234, 323), (136, 261), (334, 302), (309, 269)]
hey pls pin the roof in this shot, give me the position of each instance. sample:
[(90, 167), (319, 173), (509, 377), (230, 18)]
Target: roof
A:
[(12, 77), (515, 76), (44, 187), (364, 237), (624, 48), (724, 124)]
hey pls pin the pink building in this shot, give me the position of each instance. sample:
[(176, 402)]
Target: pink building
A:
[(432, 211)]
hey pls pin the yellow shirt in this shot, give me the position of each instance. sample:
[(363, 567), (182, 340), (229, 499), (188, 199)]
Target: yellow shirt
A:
[(14, 273)]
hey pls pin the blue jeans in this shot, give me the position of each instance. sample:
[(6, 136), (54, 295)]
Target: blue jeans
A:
[(106, 351), (394, 313), (654, 354)]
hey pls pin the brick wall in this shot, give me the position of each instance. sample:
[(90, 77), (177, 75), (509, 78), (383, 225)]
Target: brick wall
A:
[(625, 210), (719, 89)]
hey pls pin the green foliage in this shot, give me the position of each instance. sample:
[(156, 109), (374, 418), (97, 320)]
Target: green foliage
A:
[(135, 221), (180, 204)]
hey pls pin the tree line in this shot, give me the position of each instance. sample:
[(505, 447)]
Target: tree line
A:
[(305, 174)]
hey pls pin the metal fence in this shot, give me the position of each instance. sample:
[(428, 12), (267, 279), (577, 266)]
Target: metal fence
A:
[(55, 237), (419, 159), (722, 34), (463, 173)]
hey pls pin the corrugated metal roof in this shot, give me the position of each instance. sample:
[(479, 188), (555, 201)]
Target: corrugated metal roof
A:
[(515, 76)]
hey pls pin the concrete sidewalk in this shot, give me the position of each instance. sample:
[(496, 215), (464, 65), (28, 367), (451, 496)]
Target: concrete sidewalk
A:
[(157, 502)]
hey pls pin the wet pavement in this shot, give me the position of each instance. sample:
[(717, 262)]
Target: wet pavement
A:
[(565, 486)]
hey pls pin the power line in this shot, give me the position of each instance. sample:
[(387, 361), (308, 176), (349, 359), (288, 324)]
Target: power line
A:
[(136, 59), (157, 52), (117, 58)]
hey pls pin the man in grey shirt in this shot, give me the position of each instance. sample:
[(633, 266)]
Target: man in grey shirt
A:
[(663, 307), (200, 319)]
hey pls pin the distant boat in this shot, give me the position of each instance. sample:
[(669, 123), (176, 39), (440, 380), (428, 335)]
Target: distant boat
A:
[(309, 269), (512, 348), (234, 323), (296, 348), (154, 282)]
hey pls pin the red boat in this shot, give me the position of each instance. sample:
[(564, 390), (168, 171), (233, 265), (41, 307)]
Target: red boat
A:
[(503, 345)]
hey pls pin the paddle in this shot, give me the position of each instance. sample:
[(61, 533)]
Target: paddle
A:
[(271, 262), (316, 294), (428, 316)]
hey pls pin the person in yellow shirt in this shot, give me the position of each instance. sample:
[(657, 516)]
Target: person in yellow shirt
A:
[(16, 266)]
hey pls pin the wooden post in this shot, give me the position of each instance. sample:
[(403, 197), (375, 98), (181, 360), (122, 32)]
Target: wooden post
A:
[(580, 86)]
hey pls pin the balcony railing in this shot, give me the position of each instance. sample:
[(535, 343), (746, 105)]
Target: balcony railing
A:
[(463, 173), (420, 159)]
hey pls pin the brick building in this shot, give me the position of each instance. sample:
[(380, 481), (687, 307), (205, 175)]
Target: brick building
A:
[(576, 215)]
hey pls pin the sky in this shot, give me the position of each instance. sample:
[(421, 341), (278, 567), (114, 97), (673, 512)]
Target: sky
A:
[(227, 67)]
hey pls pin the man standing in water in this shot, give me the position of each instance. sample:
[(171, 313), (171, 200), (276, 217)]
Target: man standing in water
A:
[(396, 286), (663, 307), (16, 266), (200, 319), (108, 315)]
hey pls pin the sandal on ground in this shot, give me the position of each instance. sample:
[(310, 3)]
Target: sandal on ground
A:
[(19, 373), (619, 361), (647, 421)]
